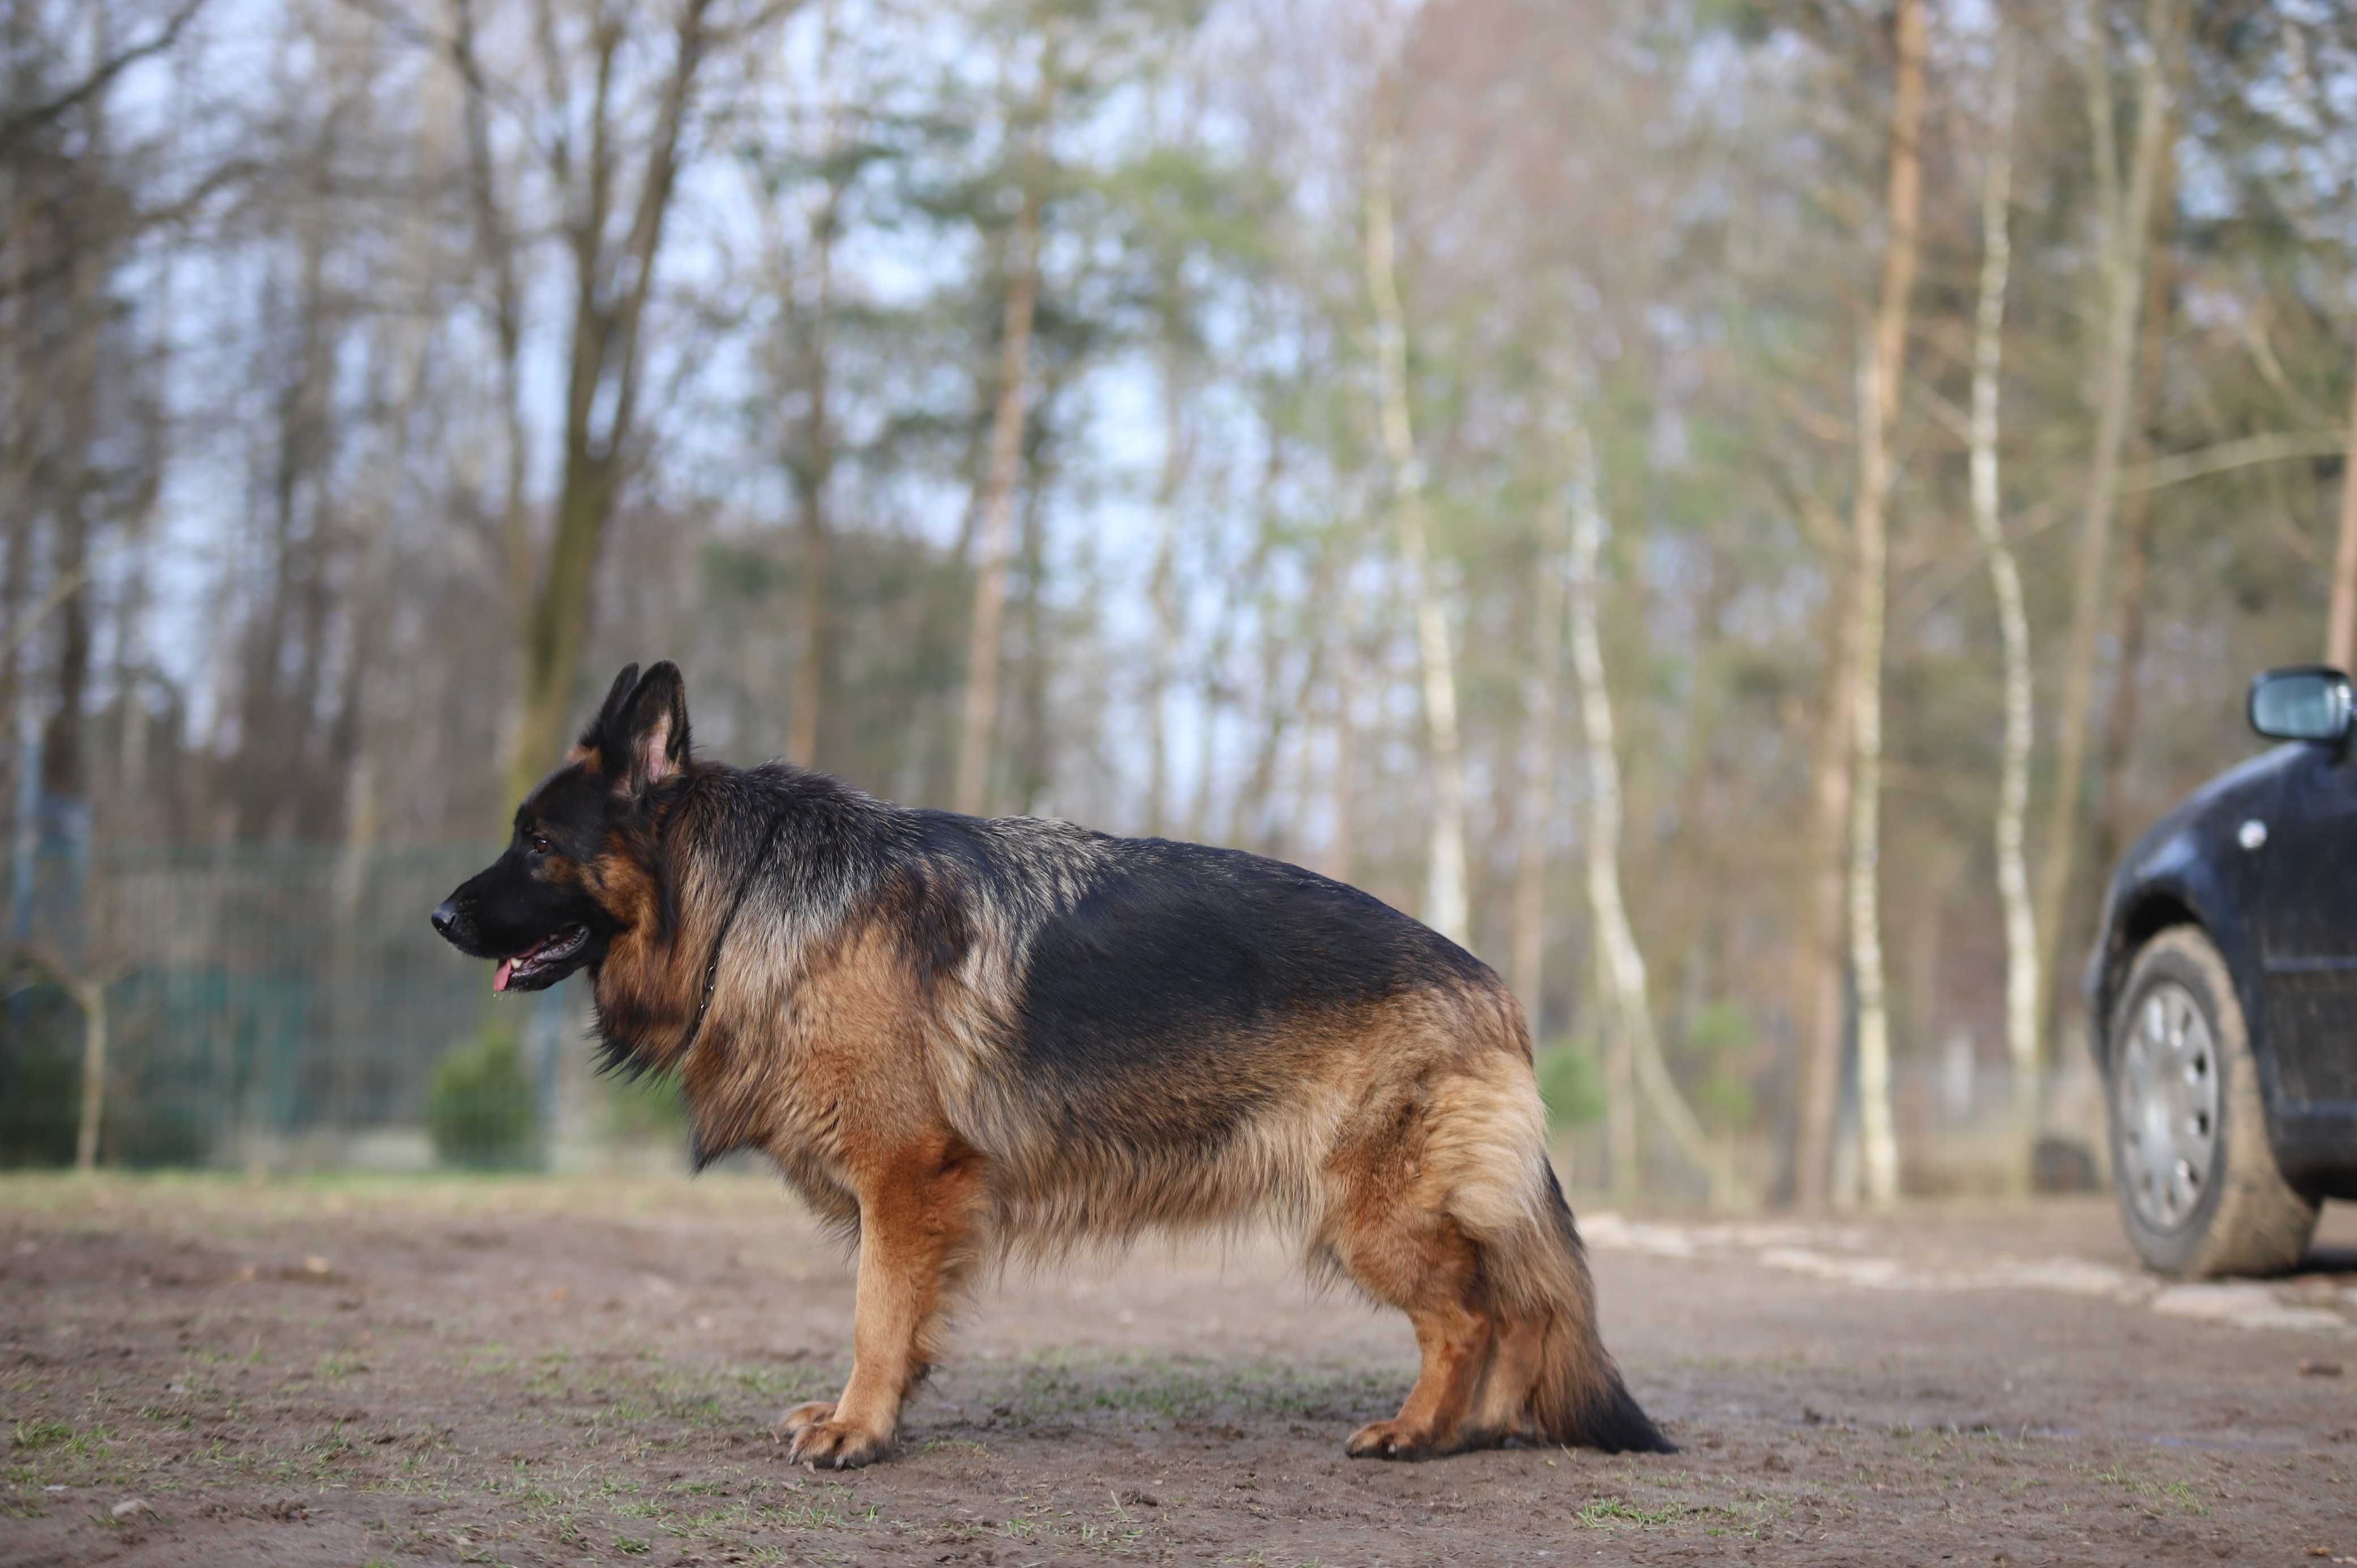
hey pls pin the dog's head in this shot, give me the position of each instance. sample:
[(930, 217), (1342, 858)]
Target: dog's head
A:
[(551, 903)]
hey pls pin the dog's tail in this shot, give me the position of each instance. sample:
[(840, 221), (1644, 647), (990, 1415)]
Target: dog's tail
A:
[(1578, 1398), (1549, 1379), (1504, 1194)]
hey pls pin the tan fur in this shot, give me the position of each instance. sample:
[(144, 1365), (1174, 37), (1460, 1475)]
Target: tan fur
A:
[(1405, 1142)]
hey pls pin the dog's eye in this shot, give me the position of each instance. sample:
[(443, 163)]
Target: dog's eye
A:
[(539, 844)]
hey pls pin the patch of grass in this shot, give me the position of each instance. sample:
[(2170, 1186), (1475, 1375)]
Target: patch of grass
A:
[(632, 1546), (2178, 1492), (97, 1443), (36, 1436), (1613, 1513)]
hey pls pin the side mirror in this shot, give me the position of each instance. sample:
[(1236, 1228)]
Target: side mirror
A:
[(2307, 701)]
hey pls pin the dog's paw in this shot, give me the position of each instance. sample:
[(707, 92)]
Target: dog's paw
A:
[(1389, 1440), (829, 1444), (791, 1423)]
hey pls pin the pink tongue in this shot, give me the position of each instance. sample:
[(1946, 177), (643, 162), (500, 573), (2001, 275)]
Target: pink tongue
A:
[(500, 975)]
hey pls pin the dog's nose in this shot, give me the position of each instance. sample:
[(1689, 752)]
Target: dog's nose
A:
[(445, 915)]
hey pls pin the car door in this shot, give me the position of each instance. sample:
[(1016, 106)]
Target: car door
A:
[(2308, 930)]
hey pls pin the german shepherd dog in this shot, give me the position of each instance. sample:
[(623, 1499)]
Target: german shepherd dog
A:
[(963, 1040)]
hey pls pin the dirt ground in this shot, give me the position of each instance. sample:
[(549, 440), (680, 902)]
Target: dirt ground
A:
[(540, 1372)]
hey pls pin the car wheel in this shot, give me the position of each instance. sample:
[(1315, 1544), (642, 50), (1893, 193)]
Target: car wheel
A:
[(2197, 1183)]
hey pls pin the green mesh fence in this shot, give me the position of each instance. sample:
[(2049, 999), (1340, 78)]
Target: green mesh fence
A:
[(254, 996)]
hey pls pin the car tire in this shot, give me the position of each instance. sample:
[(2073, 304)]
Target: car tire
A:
[(2240, 1217)]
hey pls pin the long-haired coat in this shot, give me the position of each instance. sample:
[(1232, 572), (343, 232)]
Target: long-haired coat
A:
[(963, 1039)]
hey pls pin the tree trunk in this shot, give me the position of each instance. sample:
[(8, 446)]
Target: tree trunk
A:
[(495, 250), (1632, 1051), (1033, 770), (1169, 620), (816, 467), (2340, 632), (995, 509), (1445, 902), (812, 687), (1340, 859), (1254, 826), (2127, 225), (355, 737), (2021, 954), (1886, 365), (1825, 1001), (1534, 806), (2110, 832), (611, 286)]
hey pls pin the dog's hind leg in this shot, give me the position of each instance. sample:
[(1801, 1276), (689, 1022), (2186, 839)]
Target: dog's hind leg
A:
[(1423, 1264), (918, 1217)]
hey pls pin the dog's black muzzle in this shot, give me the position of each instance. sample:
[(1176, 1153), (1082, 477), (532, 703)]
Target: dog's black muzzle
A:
[(455, 925)]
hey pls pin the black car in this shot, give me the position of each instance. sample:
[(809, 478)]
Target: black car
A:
[(2224, 993)]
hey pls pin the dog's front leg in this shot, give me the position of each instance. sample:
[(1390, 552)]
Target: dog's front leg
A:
[(917, 1219)]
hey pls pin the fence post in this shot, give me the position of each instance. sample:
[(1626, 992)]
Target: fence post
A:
[(92, 994)]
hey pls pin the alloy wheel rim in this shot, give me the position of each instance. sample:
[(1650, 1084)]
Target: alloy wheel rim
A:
[(2167, 1092)]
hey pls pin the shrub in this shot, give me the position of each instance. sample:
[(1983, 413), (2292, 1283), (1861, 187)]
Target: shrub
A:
[(41, 1077), (1718, 1040), (1571, 1085), (480, 1107), (153, 1115)]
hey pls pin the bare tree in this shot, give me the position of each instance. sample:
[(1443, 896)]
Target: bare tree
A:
[(1170, 618), (1535, 804), (1824, 1012), (812, 467), (1633, 1051), (2021, 953), (613, 270), (21, 120), (1445, 907), (995, 506), (1886, 366), (2132, 617), (2123, 202)]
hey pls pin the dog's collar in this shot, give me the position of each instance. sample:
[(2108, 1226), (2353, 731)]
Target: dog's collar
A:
[(719, 938)]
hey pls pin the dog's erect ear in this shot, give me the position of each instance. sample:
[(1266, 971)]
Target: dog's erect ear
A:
[(643, 740), (610, 713)]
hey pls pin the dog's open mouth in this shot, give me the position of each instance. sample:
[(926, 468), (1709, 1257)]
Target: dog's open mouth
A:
[(542, 963)]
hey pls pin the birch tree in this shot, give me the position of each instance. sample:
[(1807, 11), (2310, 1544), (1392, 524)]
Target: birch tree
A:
[(1877, 408), (2021, 954), (2124, 202), (1169, 614), (995, 505), (1445, 909), (1535, 802), (2132, 592), (1632, 1050), (1824, 1011)]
